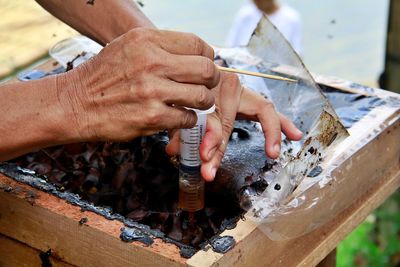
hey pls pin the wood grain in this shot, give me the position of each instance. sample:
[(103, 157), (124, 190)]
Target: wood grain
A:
[(373, 168), (15, 253), (50, 222), (369, 170)]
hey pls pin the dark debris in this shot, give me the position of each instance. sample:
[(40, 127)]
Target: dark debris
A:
[(222, 244), (132, 234), (83, 220), (45, 258), (134, 182)]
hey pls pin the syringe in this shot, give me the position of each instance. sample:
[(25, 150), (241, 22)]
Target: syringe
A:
[(191, 184)]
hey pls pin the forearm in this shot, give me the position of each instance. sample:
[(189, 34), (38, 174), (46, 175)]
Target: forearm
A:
[(31, 117), (103, 21)]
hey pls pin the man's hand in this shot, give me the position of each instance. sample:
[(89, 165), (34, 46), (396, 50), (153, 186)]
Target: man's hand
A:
[(136, 86), (232, 102), (138, 83)]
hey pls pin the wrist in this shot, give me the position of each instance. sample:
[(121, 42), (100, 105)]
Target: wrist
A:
[(33, 118), (128, 20), (70, 101)]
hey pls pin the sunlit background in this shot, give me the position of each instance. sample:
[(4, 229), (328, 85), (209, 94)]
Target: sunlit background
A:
[(340, 38)]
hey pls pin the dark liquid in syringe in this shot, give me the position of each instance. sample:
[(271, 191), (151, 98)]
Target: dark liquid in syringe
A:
[(191, 191)]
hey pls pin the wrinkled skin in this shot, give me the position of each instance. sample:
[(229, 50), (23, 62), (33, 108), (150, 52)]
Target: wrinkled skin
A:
[(137, 83), (136, 86)]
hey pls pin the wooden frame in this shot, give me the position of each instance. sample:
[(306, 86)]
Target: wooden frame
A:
[(32, 224)]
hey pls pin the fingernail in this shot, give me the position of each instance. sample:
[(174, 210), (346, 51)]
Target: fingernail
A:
[(211, 153), (213, 171), (299, 132), (277, 148)]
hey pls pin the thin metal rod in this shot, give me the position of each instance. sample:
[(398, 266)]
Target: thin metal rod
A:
[(258, 74)]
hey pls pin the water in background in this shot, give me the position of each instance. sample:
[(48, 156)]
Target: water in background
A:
[(340, 38)]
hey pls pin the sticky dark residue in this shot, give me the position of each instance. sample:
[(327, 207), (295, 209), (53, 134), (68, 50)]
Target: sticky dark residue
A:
[(312, 150), (277, 187), (58, 171), (228, 224), (269, 164), (187, 252), (333, 138), (132, 234), (27, 177), (243, 156), (242, 133), (41, 182), (317, 170), (351, 107), (45, 258), (222, 244)]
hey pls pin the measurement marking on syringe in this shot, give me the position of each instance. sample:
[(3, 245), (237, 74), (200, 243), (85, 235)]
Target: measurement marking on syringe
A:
[(193, 160), (190, 143)]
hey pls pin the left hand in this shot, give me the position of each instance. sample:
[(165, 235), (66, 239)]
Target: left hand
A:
[(233, 101)]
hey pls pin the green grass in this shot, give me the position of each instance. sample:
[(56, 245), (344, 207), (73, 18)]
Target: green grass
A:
[(376, 242)]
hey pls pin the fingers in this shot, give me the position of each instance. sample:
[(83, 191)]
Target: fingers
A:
[(209, 168), (193, 69), (212, 141), (270, 124), (195, 65), (255, 107), (172, 118), (172, 148), (213, 147), (210, 148), (188, 95), (289, 129), (215, 142), (212, 138), (180, 43)]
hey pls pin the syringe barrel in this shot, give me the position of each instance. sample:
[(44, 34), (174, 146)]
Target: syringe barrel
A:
[(191, 189), (190, 140), (191, 184)]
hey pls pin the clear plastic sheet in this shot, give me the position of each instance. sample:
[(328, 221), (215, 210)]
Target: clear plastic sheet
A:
[(303, 102), (291, 195)]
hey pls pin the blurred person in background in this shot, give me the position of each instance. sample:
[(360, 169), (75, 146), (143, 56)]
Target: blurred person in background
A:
[(285, 18)]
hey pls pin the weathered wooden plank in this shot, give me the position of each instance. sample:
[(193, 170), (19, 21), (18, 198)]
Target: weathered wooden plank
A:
[(329, 261), (378, 180), (256, 249), (15, 253), (46, 221), (354, 172)]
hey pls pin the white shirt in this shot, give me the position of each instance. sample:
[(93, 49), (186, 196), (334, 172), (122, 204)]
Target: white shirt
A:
[(286, 19)]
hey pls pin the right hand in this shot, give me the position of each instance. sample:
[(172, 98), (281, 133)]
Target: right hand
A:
[(137, 83), (234, 101)]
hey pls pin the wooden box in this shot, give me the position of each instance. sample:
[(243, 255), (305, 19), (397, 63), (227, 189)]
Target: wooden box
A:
[(32, 221)]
